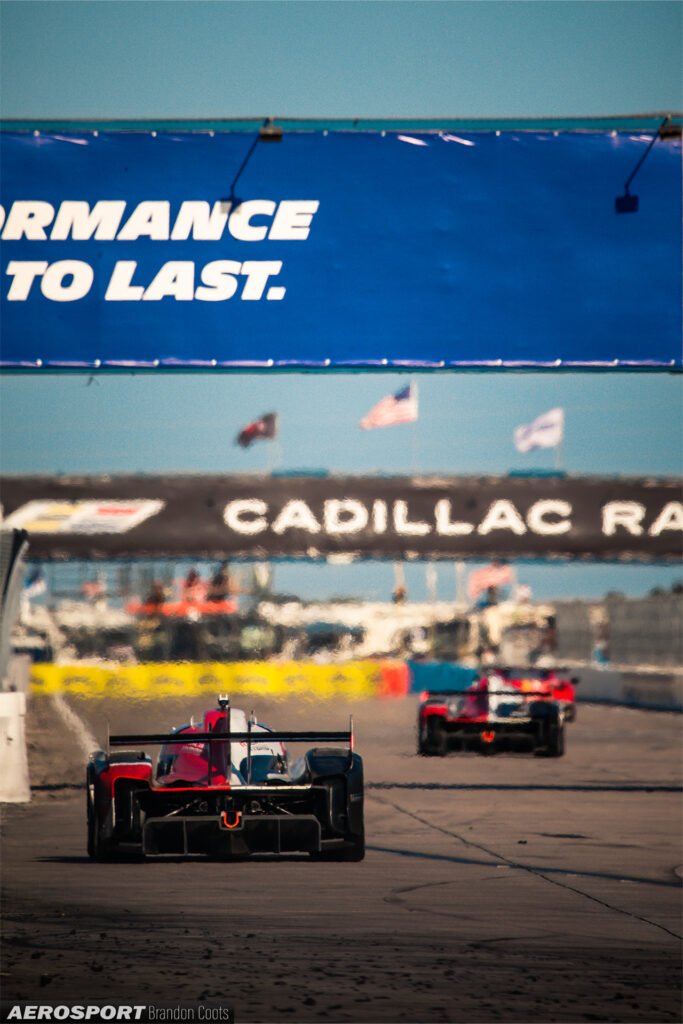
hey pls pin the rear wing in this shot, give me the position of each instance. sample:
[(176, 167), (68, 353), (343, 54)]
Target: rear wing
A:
[(249, 737), (135, 739), (437, 694), (534, 671)]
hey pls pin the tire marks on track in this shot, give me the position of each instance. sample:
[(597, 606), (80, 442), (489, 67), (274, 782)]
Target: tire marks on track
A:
[(519, 866)]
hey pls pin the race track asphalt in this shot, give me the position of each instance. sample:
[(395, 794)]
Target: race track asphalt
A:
[(508, 888)]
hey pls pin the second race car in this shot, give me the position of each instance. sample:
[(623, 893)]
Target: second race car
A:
[(491, 715)]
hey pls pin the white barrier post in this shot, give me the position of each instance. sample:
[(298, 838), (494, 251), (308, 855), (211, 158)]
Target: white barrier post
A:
[(14, 784)]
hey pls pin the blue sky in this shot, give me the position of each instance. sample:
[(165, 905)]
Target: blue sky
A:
[(325, 59), (330, 59)]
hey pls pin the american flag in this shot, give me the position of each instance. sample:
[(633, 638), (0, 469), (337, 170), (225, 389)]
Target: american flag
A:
[(398, 408), (494, 575)]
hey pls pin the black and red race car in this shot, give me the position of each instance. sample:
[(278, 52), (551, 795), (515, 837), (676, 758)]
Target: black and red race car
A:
[(554, 682), (226, 788), (495, 713)]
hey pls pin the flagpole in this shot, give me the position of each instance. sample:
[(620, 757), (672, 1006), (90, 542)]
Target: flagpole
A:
[(274, 455), (459, 582), (558, 456), (400, 592), (414, 436)]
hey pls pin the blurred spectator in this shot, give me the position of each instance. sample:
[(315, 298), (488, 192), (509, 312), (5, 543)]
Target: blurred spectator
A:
[(35, 584), (601, 646), (522, 594), (549, 639), (488, 598), (157, 594), (93, 590), (219, 586), (400, 594), (194, 588)]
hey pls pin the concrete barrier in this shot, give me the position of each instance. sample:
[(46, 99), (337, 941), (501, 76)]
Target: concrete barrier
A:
[(651, 688), (658, 689), (14, 782), (599, 686), (18, 677)]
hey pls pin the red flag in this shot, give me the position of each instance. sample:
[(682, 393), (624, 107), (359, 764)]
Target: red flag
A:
[(263, 429)]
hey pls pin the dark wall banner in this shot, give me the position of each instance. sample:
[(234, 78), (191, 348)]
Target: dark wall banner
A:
[(339, 250), (382, 517)]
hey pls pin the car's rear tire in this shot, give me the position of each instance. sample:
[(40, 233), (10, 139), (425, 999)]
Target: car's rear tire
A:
[(98, 849), (435, 741), (90, 828), (549, 721), (555, 742)]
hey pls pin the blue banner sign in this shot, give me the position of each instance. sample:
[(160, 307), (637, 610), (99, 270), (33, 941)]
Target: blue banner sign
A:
[(348, 250)]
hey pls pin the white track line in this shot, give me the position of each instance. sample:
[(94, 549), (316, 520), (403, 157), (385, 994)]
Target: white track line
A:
[(85, 738)]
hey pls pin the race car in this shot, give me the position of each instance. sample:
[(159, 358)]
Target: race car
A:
[(226, 788), (490, 716), (552, 682)]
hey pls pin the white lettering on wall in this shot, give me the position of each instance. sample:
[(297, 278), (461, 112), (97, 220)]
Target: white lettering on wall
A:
[(625, 514), (296, 515), (240, 220), (537, 522), (344, 515), (379, 516), (76, 219), (119, 288), (246, 515), (23, 274), (670, 518), (502, 515), (444, 525), (67, 280), (175, 280), (404, 526), (206, 223), (149, 219), (219, 282), (28, 219), (292, 222)]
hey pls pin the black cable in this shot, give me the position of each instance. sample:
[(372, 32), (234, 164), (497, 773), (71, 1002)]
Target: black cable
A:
[(644, 156)]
